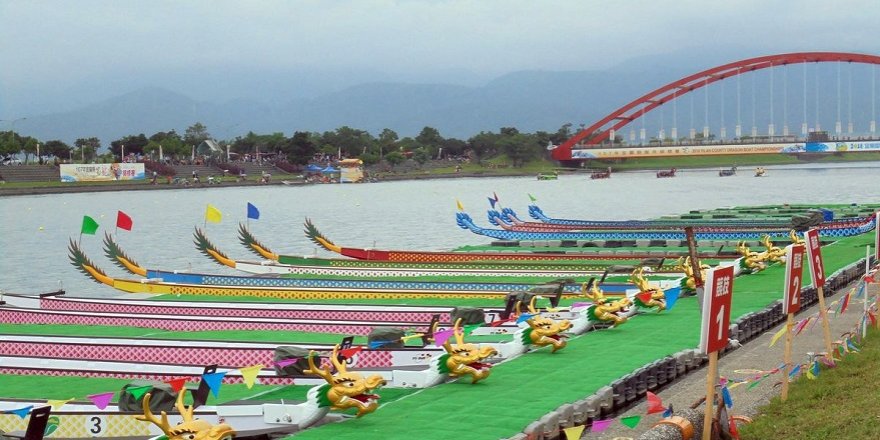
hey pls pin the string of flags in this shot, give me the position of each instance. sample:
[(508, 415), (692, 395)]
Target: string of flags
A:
[(837, 307), (655, 406)]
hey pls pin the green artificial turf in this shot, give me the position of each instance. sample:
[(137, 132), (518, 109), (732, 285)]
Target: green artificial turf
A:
[(524, 389)]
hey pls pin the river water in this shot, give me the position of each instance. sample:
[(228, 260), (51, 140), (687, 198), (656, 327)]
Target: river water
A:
[(415, 215)]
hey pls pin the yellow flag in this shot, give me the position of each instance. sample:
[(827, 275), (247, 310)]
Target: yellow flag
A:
[(777, 336), (574, 433), (55, 404), (212, 214), (460, 206), (249, 374)]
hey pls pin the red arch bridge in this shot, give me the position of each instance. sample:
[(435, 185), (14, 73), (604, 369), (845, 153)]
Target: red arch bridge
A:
[(605, 133)]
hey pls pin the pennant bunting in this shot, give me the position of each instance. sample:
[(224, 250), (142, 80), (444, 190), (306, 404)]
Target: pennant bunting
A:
[(349, 353), (524, 317), (177, 384), (532, 198), (56, 404), (668, 412), (851, 346), (123, 221), (631, 421), (725, 395), (285, 362), (671, 297), (844, 304), (600, 425), (138, 392), (794, 371), (801, 325), (815, 369), (441, 337), (21, 412), (249, 374), (89, 225), (810, 374), (378, 344), (755, 383), (732, 428), (101, 400), (414, 336), (655, 405), (214, 380), (252, 211), (777, 336), (573, 433), (468, 329)]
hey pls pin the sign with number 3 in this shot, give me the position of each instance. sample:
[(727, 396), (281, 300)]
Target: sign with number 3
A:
[(716, 309)]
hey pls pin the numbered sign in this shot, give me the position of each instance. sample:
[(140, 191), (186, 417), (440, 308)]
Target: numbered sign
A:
[(716, 309), (877, 235), (814, 256), (794, 270)]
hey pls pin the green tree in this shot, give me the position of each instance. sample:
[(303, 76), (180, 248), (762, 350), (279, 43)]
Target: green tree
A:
[(430, 138), (299, 149), (134, 144), (394, 158), (421, 156), (196, 134), (57, 149), (520, 148), (10, 143), (484, 144), (387, 141), (86, 148)]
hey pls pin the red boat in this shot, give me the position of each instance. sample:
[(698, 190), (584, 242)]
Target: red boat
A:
[(601, 174), (670, 173)]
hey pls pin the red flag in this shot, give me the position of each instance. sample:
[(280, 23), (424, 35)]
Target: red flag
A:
[(348, 353), (645, 298), (845, 303), (177, 384), (733, 431), (123, 221), (655, 405)]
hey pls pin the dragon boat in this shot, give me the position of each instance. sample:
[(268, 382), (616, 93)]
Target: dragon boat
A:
[(769, 216), (464, 221), (728, 172)]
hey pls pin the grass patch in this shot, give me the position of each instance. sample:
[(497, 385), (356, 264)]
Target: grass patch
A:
[(841, 403)]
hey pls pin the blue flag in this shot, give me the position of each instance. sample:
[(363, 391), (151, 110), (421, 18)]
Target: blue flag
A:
[(725, 395), (671, 297), (492, 202), (21, 412), (253, 212), (524, 317), (214, 380)]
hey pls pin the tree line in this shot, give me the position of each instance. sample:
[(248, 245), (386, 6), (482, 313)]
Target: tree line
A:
[(301, 147)]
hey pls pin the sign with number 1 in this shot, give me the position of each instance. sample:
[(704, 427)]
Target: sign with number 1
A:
[(794, 269), (716, 309)]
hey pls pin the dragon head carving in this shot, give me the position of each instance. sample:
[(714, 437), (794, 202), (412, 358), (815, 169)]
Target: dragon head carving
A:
[(462, 359), (191, 428), (612, 312), (648, 297), (751, 262), (545, 331), (689, 284), (345, 389), (772, 253)]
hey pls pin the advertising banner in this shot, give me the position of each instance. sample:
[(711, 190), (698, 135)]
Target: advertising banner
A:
[(101, 172), (678, 150)]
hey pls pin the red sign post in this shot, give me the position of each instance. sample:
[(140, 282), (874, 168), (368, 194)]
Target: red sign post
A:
[(877, 235), (715, 330), (817, 273), (794, 269)]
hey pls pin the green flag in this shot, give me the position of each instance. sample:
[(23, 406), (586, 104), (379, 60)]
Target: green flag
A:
[(532, 198), (631, 421), (89, 225), (139, 391)]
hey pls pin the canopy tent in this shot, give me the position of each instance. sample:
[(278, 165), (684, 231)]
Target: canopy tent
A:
[(313, 168), (329, 170)]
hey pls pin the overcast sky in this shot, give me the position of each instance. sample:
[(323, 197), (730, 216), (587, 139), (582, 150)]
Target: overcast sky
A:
[(51, 46)]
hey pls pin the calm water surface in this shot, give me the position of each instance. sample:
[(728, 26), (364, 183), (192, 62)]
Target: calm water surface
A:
[(418, 215)]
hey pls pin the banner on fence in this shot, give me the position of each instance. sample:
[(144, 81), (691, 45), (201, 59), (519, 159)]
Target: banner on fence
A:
[(101, 172)]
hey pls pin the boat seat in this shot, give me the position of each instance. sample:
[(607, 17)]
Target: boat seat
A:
[(36, 427)]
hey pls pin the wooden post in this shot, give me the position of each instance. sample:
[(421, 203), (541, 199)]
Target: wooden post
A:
[(826, 326), (786, 356), (710, 395)]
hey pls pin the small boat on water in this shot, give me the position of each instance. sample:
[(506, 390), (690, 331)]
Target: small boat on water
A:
[(670, 173), (601, 174), (548, 176), (726, 173), (760, 172)]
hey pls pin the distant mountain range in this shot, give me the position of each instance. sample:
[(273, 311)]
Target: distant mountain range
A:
[(527, 100)]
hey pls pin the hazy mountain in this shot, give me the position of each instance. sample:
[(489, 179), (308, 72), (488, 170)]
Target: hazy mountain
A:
[(528, 100)]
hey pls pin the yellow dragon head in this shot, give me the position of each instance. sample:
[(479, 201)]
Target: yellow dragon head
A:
[(463, 359), (190, 428), (751, 261), (684, 264), (772, 253), (648, 297), (544, 331), (345, 389), (602, 310)]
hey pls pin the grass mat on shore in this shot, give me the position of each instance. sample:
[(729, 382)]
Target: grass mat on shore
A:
[(524, 389), (841, 403)]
